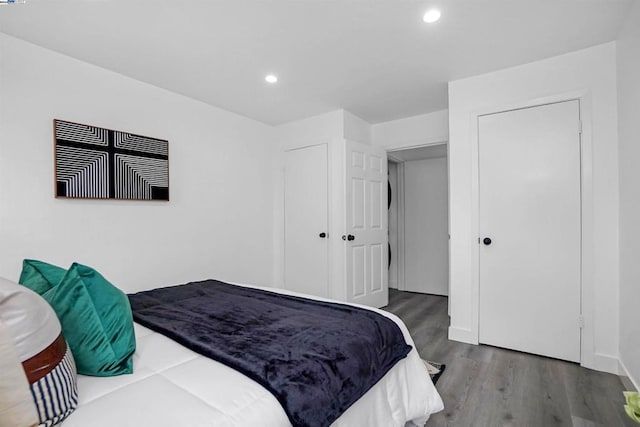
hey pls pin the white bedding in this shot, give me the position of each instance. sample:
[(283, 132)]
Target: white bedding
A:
[(174, 386)]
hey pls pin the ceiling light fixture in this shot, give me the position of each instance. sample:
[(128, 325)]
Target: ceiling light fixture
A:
[(271, 78), (431, 16)]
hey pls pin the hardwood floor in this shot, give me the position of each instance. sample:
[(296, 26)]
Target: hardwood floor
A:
[(489, 386)]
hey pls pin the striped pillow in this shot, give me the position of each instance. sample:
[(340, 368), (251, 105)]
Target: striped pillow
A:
[(56, 394), (16, 404)]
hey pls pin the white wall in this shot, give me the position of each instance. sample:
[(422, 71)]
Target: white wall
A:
[(219, 222), (629, 131), (415, 131), (356, 129), (589, 74), (426, 216), (312, 130)]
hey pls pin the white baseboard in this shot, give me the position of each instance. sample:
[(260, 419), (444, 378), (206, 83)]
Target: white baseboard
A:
[(606, 363), (601, 362), (462, 335), (628, 381)]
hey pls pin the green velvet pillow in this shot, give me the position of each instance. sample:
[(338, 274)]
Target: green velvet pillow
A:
[(40, 276), (96, 321)]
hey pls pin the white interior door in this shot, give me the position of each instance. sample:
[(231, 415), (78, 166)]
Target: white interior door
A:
[(305, 226), (529, 178), (366, 223)]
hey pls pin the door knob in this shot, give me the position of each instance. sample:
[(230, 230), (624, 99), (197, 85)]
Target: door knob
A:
[(486, 241), (323, 235), (351, 237)]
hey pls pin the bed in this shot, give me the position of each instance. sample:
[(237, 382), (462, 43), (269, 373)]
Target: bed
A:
[(174, 386)]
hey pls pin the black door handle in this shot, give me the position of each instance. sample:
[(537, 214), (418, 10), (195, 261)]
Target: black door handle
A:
[(486, 241), (323, 235), (350, 237)]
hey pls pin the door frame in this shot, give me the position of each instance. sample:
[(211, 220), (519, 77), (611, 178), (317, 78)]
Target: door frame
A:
[(330, 233), (401, 212), (588, 357), (394, 196)]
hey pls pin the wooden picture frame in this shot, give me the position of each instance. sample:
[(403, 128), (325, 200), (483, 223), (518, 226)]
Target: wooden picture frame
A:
[(97, 163)]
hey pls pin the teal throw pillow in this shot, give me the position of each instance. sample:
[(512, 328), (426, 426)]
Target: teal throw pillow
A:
[(96, 321), (40, 276)]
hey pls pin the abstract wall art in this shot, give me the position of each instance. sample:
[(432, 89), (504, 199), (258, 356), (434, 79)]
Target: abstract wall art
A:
[(97, 163)]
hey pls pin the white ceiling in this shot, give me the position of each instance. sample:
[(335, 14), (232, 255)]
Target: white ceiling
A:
[(374, 58)]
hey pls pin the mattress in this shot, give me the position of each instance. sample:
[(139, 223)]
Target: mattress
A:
[(174, 386)]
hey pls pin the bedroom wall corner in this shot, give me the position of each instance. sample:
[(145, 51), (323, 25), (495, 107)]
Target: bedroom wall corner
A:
[(356, 129), (332, 129), (628, 68), (325, 128), (588, 74), (219, 222)]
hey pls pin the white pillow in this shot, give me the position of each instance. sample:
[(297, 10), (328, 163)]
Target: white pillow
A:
[(31, 340), (29, 319)]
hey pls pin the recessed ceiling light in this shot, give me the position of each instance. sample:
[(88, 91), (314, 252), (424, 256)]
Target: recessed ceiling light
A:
[(431, 16), (271, 78)]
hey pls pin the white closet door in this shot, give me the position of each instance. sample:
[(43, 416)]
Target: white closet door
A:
[(366, 220), (529, 178), (306, 227)]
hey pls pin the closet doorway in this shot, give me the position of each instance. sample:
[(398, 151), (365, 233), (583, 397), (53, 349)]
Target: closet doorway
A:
[(419, 220)]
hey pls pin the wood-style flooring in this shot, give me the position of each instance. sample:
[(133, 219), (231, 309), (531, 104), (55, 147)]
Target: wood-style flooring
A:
[(489, 386)]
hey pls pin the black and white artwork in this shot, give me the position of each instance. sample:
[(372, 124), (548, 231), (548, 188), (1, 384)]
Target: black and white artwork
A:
[(97, 163)]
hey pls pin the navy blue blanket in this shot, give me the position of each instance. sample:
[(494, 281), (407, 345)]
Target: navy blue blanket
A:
[(316, 358)]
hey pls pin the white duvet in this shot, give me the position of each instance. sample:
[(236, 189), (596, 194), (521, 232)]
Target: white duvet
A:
[(174, 386)]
